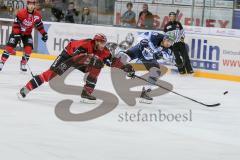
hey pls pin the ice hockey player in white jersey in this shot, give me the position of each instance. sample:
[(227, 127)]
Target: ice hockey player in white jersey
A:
[(152, 47)]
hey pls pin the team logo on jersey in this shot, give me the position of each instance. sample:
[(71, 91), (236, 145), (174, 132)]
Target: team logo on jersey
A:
[(28, 23)]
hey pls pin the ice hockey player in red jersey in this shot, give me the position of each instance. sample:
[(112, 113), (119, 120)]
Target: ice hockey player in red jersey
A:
[(26, 19), (86, 55)]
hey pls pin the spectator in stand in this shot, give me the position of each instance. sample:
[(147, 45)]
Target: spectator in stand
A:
[(92, 5), (58, 14), (58, 7), (145, 19), (86, 18), (10, 8), (3, 9), (71, 13), (128, 18), (46, 10), (86, 3), (38, 6), (238, 4)]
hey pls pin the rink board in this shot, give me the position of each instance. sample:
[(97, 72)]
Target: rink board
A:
[(214, 52), (138, 67)]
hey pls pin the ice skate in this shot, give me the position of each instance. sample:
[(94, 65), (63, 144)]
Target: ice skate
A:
[(87, 98), (23, 93), (1, 65), (23, 67), (145, 98)]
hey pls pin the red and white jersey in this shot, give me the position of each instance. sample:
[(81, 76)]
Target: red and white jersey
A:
[(25, 22), (87, 46)]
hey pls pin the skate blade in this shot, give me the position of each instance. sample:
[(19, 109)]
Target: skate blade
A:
[(22, 72), (145, 101), (87, 101)]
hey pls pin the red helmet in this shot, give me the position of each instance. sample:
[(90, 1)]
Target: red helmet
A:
[(31, 1), (100, 37)]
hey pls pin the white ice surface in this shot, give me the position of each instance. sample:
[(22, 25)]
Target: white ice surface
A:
[(30, 130)]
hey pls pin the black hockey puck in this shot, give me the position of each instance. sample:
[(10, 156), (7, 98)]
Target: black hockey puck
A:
[(226, 92)]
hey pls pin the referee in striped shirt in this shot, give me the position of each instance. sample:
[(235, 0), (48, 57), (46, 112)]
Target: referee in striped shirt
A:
[(179, 49)]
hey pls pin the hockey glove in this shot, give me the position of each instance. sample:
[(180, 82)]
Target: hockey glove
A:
[(144, 43), (17, 37), (45, 37), (129, 69), (96, 62), (158, 55)]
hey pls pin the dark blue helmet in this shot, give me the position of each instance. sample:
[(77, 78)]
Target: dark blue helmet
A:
[(156, 38)]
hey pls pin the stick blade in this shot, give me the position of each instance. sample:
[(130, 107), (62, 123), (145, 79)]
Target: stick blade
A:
[(213, 105)]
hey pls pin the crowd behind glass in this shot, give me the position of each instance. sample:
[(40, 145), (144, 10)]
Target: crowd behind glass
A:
[(85, 12)]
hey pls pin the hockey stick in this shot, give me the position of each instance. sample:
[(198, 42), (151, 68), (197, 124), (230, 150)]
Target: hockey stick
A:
[(29, 68), (191, 99)]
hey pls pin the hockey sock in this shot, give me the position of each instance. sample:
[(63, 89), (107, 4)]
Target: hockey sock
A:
[(34, 83), (27, 53), (90, 84), (5, 56), (25, 59), (40, 79), (92, 79)]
